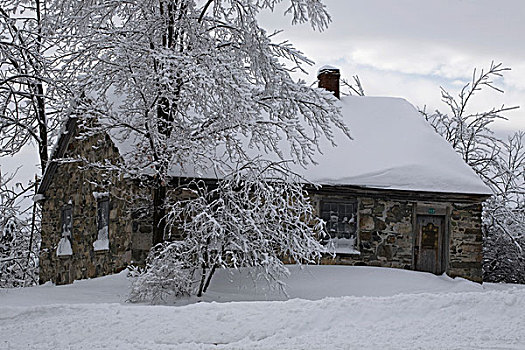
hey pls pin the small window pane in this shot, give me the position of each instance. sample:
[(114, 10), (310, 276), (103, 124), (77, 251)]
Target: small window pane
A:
[(102, 213), (64, 245), (67, 221), (102, 241), (341, 220)]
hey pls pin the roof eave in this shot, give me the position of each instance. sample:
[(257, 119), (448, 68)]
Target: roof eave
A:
[(59, 152)]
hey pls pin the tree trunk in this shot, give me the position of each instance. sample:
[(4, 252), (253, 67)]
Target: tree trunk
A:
[(40, 107), (159, 223), (40, 112), (208, 280), (203, 279), (165, 110)]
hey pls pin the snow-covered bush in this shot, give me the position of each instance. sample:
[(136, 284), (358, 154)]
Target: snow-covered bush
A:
[(17, 264), (503, 240), (503, 260), (253, 218), (166, 275)]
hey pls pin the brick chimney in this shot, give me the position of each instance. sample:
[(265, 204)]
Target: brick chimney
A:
[(328, 77)]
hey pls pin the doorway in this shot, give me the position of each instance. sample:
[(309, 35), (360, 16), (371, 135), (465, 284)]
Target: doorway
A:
[(429, 252)]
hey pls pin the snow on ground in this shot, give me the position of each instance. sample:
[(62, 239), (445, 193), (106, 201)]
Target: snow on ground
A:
[(333, 307)]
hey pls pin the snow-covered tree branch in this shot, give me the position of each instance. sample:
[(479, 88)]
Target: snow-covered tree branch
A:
[(26, 79), (470, 133), (500, 163), (200, 88), (18, 253)]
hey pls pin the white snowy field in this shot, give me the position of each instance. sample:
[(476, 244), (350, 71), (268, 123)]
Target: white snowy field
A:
[(327, 307)]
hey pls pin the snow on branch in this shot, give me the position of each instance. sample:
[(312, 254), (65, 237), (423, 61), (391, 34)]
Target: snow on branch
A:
[(187, 87), (500, 165)]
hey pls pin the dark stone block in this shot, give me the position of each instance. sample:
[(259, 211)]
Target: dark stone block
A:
[(384, 251), (472, 231), (396, 214), (380, 225), (378, 209)]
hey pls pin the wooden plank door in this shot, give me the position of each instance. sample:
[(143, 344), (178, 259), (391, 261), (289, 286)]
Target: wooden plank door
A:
[(429, 243)]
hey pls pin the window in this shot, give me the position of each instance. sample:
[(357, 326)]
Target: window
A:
[(102, 241), (341, 218), (66, 224)]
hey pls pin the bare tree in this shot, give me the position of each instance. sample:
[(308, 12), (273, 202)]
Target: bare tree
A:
[(27, 86), (18, 253), (470, 134), (24, 75), (500, 163)]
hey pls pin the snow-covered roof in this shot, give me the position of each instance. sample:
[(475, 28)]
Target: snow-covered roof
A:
[(393, 147)]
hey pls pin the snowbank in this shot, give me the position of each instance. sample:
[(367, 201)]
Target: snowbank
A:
[(366, 308)]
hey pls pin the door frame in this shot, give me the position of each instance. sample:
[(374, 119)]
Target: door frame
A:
[(433, 209)]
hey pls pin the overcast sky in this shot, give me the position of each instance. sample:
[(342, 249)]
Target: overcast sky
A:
[(409, 48)]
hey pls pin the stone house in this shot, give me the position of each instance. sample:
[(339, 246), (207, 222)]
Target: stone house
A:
[(397, 195)]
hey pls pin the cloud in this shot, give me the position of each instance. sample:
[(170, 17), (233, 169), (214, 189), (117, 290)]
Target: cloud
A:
[(409, 48)]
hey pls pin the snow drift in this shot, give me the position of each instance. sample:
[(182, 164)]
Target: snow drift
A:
[(336, 307)]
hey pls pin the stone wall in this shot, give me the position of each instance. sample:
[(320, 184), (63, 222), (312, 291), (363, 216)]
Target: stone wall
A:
[(385, 226), (466, 242), (386, 231), (71, 183)]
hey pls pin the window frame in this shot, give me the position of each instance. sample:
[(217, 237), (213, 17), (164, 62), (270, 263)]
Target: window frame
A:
[(343, 249), (101, 242), (65, 208), (64, 248)]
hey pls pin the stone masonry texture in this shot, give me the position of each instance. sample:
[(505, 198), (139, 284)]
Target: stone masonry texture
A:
[(386, 232), (385, 227), (74, 183)]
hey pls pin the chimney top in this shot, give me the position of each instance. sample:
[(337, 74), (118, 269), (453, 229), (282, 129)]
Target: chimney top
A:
[(325, 68), (328, 77)]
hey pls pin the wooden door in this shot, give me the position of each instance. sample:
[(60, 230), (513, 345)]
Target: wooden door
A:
[(429, 243)]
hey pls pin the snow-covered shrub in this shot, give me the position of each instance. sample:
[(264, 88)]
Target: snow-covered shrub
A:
[(18, 266), (166, 276), (253, 218), (503, 261)]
